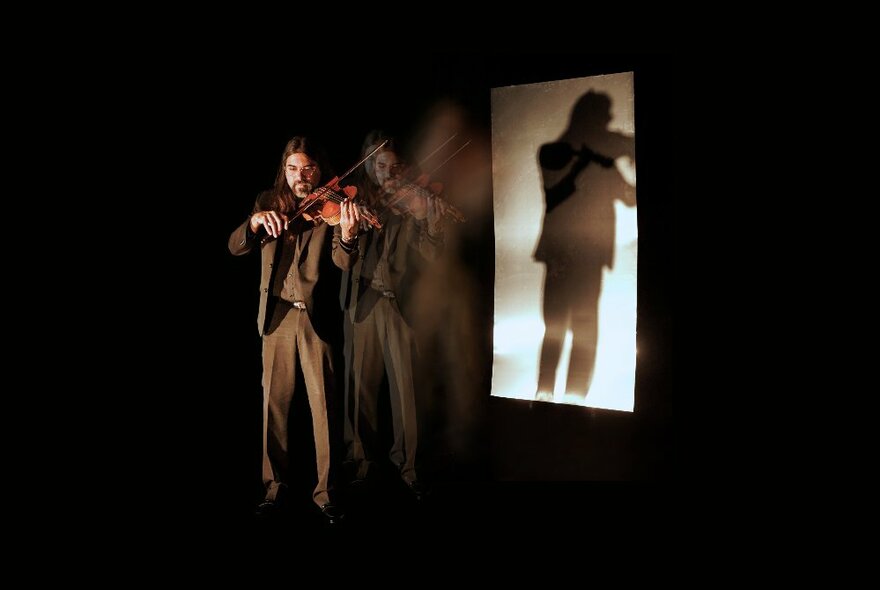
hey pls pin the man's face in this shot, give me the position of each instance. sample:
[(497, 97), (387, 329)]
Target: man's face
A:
[(302, 174), (388, 171)]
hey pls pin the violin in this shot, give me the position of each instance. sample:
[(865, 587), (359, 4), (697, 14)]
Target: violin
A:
[(421, 189), (404, 197), (323, 205)]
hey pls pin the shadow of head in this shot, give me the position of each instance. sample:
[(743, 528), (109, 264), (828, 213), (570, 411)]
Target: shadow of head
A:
[(591, 113)]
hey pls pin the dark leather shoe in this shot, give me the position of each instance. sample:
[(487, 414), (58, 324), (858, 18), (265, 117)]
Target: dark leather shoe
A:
[(417, 489), (360, 483), (266, 509), (332, 513)]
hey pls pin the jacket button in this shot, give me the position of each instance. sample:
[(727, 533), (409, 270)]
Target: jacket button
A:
[(266, 290)]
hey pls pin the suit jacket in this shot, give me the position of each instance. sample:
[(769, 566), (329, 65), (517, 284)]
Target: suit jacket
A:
[(407, 249), (316, 271)]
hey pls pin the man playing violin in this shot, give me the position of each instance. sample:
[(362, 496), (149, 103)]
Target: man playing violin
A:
[(298, 319), (377, 294)]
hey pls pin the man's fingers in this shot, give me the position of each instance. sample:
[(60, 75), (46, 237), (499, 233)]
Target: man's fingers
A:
[(277, 222)]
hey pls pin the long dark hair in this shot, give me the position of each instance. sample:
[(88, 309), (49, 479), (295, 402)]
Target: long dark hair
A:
[(281, 197)]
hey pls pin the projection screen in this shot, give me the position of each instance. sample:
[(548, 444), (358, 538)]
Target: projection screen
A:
[(563, 168)]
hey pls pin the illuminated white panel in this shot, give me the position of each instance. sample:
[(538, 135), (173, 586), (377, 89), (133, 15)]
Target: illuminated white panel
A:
[(571, 143)]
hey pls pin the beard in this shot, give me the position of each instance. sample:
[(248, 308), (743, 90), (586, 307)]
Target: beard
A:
[(302, 189), (390, 186)]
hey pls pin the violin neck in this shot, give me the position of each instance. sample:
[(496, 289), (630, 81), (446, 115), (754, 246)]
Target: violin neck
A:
[(418, 190)]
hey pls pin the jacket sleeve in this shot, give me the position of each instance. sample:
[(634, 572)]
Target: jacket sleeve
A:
[(344, 256), (430, 247), (242, 239)]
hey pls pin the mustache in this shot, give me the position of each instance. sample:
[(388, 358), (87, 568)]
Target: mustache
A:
[(302, 187)]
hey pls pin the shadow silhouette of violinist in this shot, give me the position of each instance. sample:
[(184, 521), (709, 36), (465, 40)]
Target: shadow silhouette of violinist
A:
[(581, 181)]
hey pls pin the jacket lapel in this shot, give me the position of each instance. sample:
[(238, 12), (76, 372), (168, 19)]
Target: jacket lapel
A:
[(303, 245)]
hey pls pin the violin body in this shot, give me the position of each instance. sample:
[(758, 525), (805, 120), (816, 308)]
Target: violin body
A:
[(323, 205), (412, 198)]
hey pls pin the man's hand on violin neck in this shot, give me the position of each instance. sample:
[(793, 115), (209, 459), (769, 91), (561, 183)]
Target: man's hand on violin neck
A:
[(273, 221)]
